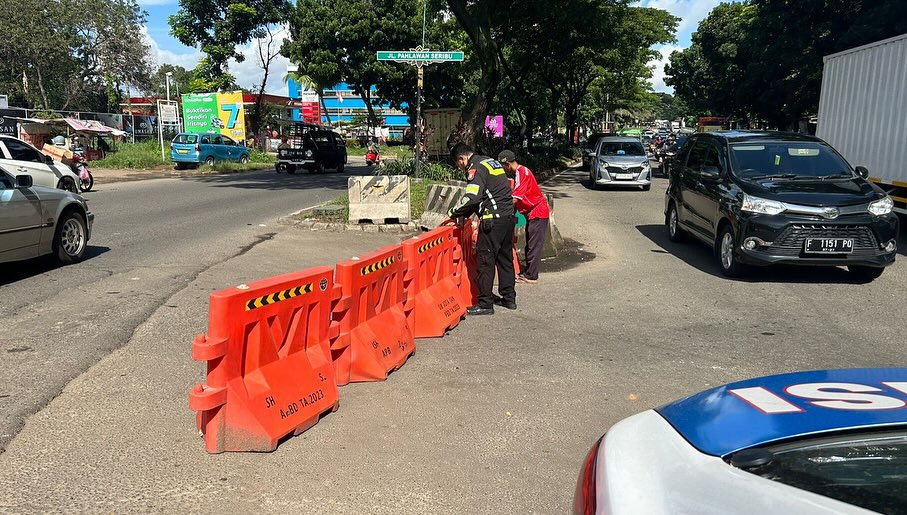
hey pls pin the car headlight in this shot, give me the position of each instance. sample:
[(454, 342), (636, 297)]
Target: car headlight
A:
[(603, 166), (308, 153), (762, 206), (881, 207), (644, 164)]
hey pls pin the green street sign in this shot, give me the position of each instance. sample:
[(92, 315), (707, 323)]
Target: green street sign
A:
[(421, 56)]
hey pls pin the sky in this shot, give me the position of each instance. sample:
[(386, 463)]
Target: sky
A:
[(166, 49)]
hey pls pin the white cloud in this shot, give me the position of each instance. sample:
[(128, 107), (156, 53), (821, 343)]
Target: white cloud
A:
[(248, 73), (187, 59), (658, 68), (690, 12)]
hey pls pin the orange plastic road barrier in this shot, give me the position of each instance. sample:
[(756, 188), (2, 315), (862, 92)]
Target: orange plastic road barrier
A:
[(269, 368), (433, 304), (374, 336), (466, 273)]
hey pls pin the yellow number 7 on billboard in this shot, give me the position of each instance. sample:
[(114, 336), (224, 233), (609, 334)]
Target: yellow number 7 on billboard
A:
[(232, 115)]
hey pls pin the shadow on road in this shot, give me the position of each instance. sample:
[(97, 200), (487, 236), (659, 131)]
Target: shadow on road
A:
[(701, 257), (271, 180), (26, 269)]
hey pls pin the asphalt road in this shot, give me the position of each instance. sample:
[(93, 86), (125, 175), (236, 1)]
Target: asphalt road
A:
[(151, 238), (495, 417)]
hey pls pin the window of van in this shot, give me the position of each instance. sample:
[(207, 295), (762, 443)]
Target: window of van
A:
[(185, 139)]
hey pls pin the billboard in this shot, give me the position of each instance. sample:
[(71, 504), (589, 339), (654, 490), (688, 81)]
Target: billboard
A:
[(142, 126), (215, 112)]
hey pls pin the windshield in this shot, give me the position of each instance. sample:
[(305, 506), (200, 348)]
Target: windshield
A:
[(864, 470), (622, 148), (790, 159), (185, 139)]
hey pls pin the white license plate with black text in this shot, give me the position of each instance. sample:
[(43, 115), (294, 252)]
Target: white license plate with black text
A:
[(623, 176), (829, 245)]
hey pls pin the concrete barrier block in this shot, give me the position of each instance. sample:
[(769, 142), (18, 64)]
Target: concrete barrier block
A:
[(379, 199)]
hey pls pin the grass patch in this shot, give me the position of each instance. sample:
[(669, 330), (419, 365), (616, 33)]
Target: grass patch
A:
[(147, 154), (395, 151), (141, 155)]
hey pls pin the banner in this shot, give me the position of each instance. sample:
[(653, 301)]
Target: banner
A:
[(200, 112), (232, 115), (143, 126), (8, 126), (215, 112)]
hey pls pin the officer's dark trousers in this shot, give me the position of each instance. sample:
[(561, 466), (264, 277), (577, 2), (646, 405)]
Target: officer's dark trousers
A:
[(494, 250)]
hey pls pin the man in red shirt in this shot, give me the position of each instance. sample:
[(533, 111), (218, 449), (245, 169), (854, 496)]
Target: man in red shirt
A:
[(529, 200)]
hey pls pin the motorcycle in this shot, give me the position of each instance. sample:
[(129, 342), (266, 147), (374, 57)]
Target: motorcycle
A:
[(86, 180), (372, 157)]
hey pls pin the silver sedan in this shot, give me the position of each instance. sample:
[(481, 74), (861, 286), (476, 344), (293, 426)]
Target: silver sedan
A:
[(36, 220)]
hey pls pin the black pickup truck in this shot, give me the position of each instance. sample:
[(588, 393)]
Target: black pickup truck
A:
[(313, 148)]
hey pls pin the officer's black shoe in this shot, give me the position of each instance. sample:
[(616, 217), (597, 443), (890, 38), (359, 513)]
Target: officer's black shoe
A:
[(479, 310), (501, 302)]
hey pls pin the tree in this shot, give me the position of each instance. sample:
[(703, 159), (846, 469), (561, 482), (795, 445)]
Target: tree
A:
[(217, 27), (750, 60), (73, 54), (335, 40), (267, 49), (180, 80)]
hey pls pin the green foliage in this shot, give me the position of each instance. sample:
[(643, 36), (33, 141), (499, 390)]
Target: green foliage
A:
[(428, 171), (72, 54), (338, 38), (217, 27), (180, 81), (762, 59)]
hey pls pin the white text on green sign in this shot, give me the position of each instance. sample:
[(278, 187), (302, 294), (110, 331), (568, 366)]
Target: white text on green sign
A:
[(420, 56)]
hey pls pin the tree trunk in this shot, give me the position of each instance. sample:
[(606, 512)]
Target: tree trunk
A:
[(41, 89), (324, 108), (479, 32)]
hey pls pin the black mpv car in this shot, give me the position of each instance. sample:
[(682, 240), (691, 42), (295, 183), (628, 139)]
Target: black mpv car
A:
[(763, 198)]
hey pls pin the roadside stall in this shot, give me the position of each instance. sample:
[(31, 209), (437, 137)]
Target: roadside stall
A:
[(90, 138)]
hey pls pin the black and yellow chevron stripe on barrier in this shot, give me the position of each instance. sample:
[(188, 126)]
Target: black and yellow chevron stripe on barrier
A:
[(377, 265), (430, 245), (273, 298)]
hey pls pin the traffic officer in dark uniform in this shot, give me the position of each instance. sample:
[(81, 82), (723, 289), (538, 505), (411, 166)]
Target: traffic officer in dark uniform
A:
[(489, 196)]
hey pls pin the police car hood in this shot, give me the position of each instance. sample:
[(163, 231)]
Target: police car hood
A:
[(756, 412)]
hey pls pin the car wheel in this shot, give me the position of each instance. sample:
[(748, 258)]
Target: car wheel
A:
[(318, 168), (244, 159), (67, 184), (672, 223), (70, 238), (865, 273), (727, 253), (209, 161)]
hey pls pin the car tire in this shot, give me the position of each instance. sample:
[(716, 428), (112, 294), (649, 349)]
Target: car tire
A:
[(318, 168), (67, 184), (70, 238), (726, 251), (865, 273), (209, 160), (672, 225), (244, 159)]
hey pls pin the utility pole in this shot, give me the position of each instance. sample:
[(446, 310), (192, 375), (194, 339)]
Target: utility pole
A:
[(419, 119)]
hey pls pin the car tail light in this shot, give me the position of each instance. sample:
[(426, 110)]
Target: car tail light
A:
[(584, 499)]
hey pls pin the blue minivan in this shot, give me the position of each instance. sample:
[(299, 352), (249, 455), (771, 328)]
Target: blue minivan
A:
[(188, 150)]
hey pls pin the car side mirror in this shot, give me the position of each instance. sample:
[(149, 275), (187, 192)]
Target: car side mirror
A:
[(24, 181), (48, 160), (862, 171), (710, 172)]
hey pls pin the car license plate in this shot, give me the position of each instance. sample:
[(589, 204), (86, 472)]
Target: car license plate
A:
[(182, 151), (829, 245), (623, 176)]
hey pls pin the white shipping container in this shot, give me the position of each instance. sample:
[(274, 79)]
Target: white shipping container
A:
[(863, 110)]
